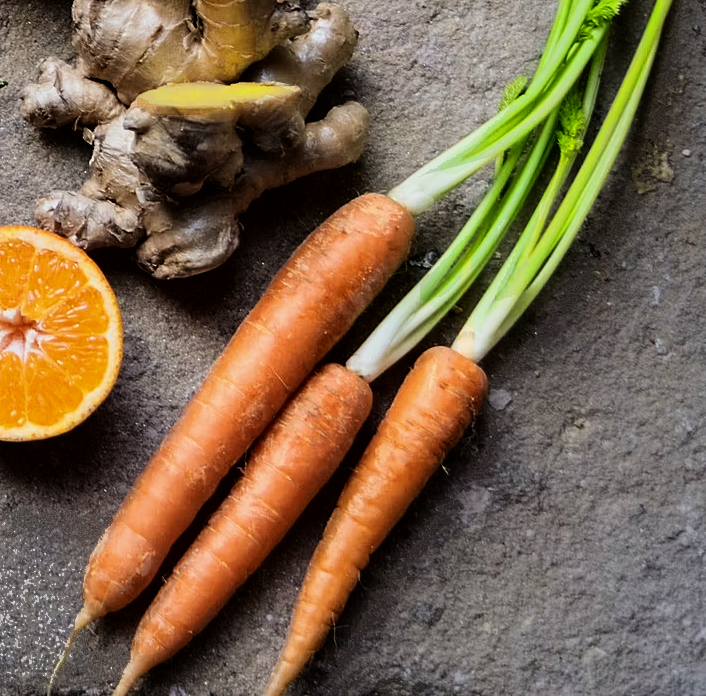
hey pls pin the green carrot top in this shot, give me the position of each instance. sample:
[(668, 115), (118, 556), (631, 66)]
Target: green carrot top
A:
[(553, 110)]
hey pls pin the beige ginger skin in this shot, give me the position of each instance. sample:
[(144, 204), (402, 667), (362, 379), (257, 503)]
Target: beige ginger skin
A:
[(174, 166)]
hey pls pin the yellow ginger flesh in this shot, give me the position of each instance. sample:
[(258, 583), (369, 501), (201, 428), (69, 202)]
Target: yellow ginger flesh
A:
[(202, 97)]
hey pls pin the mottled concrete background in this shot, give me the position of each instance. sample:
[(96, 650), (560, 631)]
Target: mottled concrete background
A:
[(561, 551)]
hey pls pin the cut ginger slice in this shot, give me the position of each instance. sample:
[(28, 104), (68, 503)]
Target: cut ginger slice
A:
[(60, 335)]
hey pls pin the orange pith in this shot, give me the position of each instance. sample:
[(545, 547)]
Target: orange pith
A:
[(60, 335)]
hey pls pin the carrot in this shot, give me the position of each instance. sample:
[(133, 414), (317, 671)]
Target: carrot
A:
[(443, 392), (288, 466), (310, 304), (435, 404)]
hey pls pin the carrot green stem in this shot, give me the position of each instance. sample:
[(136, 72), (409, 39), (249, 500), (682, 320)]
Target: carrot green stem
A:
[(430, 300), (524, 274), (570, 52), (551, 228)]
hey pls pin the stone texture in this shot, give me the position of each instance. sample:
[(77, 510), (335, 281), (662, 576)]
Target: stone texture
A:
[(562, 549)]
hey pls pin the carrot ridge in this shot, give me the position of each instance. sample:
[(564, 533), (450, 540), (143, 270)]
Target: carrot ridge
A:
[(304, 446), (437, 401), (310, 304)]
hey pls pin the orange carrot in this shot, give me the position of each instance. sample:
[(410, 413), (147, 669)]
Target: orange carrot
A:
[(288, 466), (436, 403), (310, 304)]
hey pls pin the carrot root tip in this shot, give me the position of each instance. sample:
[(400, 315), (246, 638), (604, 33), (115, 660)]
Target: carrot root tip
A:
[(85, 617), (131, 674), (63, 658), (282, 676)]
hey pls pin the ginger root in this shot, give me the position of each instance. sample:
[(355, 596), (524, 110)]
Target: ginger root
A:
[(174, 249), (171, 172), (137, 45)]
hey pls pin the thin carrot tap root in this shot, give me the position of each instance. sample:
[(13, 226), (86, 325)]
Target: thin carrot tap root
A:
[(436, 403), (313, 300), (289, 465), (85, 617)]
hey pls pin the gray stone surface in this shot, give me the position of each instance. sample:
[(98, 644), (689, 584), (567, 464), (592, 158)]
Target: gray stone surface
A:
[(561, 550)]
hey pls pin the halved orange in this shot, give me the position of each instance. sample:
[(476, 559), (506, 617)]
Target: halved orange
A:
[(60, 335)]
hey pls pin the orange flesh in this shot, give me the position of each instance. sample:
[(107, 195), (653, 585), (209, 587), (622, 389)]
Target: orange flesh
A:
[(53, 347)]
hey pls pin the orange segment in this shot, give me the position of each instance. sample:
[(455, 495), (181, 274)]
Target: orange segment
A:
[(83, 361), (15, 262), (81, 314), (49, 391), (52, 279), (60, 335), (13, 412)]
